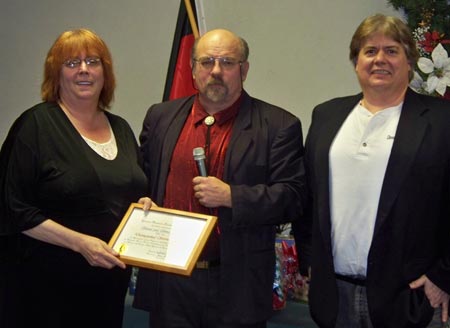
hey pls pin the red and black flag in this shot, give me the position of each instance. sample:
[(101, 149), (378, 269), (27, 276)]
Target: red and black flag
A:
[(179, 78)]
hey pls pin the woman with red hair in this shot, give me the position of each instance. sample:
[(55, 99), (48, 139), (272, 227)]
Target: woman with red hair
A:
[(69, 170)]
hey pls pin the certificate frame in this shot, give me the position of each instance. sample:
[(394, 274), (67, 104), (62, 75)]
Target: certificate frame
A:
[(162, 239)]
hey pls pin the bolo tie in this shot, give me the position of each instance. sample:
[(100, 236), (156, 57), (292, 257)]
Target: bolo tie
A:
[(209, 121)]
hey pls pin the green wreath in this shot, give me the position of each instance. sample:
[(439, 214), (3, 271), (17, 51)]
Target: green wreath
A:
[(432, 13)]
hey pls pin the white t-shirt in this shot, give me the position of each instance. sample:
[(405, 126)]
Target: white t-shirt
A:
[(358, 160)]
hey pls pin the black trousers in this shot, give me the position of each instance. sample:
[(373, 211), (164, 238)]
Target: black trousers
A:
[(191, 302)]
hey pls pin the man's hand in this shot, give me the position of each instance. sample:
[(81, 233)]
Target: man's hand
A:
[(436, 296), (212, 192), (147, 202)]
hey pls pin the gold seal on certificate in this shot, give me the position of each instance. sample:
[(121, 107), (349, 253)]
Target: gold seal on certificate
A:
[(162, 239), (122, 248)]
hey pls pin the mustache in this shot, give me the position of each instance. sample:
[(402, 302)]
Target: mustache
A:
[(215, 81)]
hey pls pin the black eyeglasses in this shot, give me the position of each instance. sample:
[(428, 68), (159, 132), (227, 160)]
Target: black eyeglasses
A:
[(226, 63), (76, 62)]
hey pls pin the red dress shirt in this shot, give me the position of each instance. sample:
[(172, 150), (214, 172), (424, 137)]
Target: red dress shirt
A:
[(179, 189)]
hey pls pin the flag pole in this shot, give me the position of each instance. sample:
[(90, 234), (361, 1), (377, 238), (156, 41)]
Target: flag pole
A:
[(200, 17), (191, 16)]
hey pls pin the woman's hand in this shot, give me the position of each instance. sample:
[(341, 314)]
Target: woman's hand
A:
[(98, 253), (94, 250)]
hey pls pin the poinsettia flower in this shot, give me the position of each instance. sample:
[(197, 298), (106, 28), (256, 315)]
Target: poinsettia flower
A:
[(418, 84), (438, 69), (431, 39)]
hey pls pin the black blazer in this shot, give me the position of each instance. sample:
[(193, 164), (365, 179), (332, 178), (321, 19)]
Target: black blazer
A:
[(264, 169), (412, 230)]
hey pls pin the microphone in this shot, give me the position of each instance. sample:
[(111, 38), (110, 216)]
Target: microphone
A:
[(199, 157)]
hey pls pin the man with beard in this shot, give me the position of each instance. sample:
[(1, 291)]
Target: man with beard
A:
[(254, 181)]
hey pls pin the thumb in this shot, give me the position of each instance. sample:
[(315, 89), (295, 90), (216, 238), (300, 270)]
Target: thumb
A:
[(418, 282)]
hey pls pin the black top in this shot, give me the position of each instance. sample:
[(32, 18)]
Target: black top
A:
[(49, 171)]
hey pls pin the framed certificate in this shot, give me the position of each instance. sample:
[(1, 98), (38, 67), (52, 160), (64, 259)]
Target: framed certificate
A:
[(162, 239)]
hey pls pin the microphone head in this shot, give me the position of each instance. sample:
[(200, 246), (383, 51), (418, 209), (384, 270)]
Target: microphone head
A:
[(199, 153)]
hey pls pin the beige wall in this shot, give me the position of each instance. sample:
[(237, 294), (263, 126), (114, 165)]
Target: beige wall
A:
[(298, 48)]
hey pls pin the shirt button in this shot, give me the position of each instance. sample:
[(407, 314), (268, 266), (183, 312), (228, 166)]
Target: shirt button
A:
[(364, 144)]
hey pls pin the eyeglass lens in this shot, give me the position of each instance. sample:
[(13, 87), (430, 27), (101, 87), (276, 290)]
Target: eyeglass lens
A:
[(76, 62), (226, 63)]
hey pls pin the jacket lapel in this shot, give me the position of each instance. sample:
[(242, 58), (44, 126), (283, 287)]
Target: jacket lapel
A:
[(241, 136), (410, 132)]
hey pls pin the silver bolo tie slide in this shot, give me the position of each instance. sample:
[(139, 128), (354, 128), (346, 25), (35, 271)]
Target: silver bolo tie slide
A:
[(209, 120)]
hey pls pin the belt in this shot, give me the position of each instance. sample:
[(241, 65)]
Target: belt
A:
[(360, 281), (207, 264)]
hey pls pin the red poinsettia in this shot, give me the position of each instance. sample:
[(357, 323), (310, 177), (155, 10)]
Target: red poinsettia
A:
[(447, 95), (432, 39)]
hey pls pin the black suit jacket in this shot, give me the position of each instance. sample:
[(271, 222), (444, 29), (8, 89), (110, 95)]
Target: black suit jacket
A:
[(263, 166), (412, 230)]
